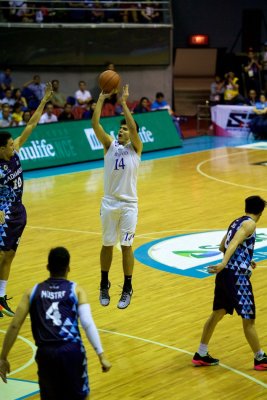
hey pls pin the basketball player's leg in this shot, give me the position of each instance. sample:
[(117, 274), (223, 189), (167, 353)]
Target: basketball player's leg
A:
[(128, 223), (109, 219), (222, 304), (10, 238), (260, 358)]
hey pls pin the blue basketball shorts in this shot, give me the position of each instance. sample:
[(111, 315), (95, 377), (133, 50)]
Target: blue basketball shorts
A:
[(62, 372), (12, 229), (234, 292)]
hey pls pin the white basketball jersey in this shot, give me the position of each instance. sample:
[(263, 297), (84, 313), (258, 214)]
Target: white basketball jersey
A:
[(120, 172)]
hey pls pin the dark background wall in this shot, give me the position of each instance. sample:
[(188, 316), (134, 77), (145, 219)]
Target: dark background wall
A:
[(221, 20)]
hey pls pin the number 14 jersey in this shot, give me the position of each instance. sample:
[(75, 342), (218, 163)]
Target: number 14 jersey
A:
[(120, 172)]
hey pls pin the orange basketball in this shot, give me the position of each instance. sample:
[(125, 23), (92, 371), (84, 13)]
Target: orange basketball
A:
[(109, 80)]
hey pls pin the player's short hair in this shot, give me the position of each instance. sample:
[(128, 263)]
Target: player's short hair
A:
[(254, 205), (123, 122), (58, 261), (4, 138)]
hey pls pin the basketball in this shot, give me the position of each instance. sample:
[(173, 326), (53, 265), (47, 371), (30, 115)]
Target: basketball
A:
[(109, 80)]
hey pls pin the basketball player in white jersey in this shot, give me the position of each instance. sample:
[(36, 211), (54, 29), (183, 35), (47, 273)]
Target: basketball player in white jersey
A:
[(119, 204)]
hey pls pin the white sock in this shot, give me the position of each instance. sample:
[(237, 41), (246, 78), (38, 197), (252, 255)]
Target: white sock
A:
[(203, 349), (3, 288), (259, 355)]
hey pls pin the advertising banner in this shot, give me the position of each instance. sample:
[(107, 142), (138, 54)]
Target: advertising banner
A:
[(232, 121), (64, 143)]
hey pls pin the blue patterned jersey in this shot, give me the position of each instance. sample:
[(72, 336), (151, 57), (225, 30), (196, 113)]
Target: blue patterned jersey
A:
[(54, 312), (11, 182), (242, 257)]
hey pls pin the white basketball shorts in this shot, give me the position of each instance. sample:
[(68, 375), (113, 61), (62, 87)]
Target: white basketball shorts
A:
[(119, 220)]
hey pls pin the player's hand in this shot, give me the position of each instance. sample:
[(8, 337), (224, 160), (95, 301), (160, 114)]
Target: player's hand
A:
[(103, 96), (105, 364), (2, 217), (125, 93), (214, 269), (253, 264), (4, 369), (48, 91)]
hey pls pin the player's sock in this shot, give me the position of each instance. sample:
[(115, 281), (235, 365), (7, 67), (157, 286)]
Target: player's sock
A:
[(104, 280), (3, 288), (127, 286), (203, 349)]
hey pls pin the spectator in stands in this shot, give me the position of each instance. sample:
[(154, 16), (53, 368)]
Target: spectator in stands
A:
[(252, 98), (17, 114), (17, 96), (6, 118), (258, 125), (216, 91), (150, 12), (5, 79), (66, 114), (82, 95), (48, 116), (109, 65), (97, 13), (261, 104), (143, 106), (252, 68), (130, 11), (77, 11), (8, 99), (25, 118), (111, 13), (36, 86), (231, 91), (264, 66), (17, 9), (58, 99), (90, 108), (161, 104)]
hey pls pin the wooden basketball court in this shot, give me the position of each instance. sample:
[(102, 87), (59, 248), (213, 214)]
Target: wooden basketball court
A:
[(151, 343)]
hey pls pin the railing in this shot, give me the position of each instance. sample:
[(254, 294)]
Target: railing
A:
[(18, 13)]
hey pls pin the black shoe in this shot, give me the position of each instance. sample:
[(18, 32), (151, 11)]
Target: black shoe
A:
[(125, 299), (206, 360), (261, 365), (1, 315), (4, 308), (104, 297)]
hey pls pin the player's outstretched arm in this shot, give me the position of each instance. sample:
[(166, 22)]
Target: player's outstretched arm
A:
[(12, 333), (19, 141), (101, 135), (134, 136)]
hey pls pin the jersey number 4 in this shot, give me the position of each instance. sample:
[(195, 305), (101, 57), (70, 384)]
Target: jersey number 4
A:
[(54, 314), (119, 163)]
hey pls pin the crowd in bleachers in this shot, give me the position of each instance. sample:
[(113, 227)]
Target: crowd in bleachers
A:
[(83, 11), (18, 104), (250, 89)]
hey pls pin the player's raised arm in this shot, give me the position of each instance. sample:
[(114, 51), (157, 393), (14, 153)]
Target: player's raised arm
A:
[(101, 135), (134, 136), (19, 141)]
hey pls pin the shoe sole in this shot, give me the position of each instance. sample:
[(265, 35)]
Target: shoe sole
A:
[(6, 312), (199, 363), (261, 367)]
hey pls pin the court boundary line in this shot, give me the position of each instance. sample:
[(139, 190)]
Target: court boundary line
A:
[(199, 165), (234, 370)]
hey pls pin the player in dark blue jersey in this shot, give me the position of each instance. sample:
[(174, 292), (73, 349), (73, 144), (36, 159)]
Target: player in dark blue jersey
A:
[(12, 211), (233, 289), (55, 306)]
